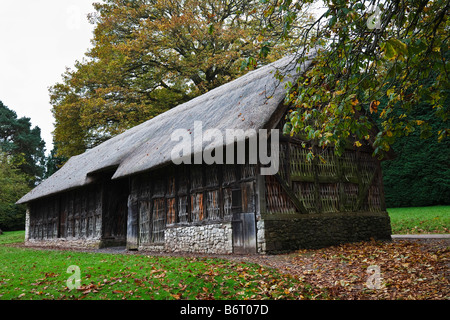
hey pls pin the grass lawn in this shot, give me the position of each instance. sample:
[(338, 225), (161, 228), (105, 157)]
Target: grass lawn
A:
[(417, 220), (42, 274)]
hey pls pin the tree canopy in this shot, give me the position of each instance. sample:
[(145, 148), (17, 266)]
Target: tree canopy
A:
[(22, 161), (13, 185), (22, 143), (420, 173), (368, 51), (149, 56)]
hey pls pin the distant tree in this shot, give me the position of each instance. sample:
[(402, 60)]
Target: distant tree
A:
[(420, 173), (13, 185), (22, 144), (149, 56)]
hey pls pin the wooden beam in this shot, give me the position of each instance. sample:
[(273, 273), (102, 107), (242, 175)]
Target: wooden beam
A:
[(290, 193), (315, 168), (365, 189), (340, 185), (260, 193)]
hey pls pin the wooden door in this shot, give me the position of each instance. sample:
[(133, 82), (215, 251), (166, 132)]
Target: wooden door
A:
[(243, 219), (132, 224)]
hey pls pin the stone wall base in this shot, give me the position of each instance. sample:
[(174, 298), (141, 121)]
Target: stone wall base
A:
[(156, 247), (66, 243), (283, 234), (90, 243), (211, 238)]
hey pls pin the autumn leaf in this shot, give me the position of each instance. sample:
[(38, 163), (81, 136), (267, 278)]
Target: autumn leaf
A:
[(176, 296), (354, 102), (374, 106)]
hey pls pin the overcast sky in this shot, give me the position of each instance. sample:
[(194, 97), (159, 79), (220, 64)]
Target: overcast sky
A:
[(38, 40)]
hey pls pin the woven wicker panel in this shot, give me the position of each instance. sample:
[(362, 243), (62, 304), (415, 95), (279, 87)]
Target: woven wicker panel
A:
[(144, 221), (305, 193), (374, 198), (350, 196), (329, 197), (183, 210), (227, 202), (299, 166), (158, 220), (171, 213), (327, 164), (349, 167), (212, 205), (276, 199), (197, 212)]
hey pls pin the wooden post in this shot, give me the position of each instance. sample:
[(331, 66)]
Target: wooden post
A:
[(340, 184), (132, 223), (316, 182), (27, 224), (364, 189), (260, 193)]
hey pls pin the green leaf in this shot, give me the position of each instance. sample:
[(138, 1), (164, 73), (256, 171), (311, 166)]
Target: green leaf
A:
[(393, 48), (211, 28), (265, 49), (287, 128), (389, 51), (332, 21), (400, 47)]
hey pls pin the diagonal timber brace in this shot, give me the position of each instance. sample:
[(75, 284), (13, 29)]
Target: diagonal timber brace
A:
[(290, 193)]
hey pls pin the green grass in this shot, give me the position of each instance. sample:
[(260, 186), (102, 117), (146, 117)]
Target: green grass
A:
[(416, 220), (12, 237), (42, 274)]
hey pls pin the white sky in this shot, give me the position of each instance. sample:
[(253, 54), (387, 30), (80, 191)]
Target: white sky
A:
[(38, 40)]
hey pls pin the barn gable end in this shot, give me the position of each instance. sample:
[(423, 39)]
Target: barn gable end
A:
[(327, 201)]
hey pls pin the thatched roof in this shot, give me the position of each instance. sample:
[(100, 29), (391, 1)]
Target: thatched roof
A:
[(247, 102)]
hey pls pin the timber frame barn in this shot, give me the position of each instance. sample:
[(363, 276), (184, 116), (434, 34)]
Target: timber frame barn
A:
[(127, 190)]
